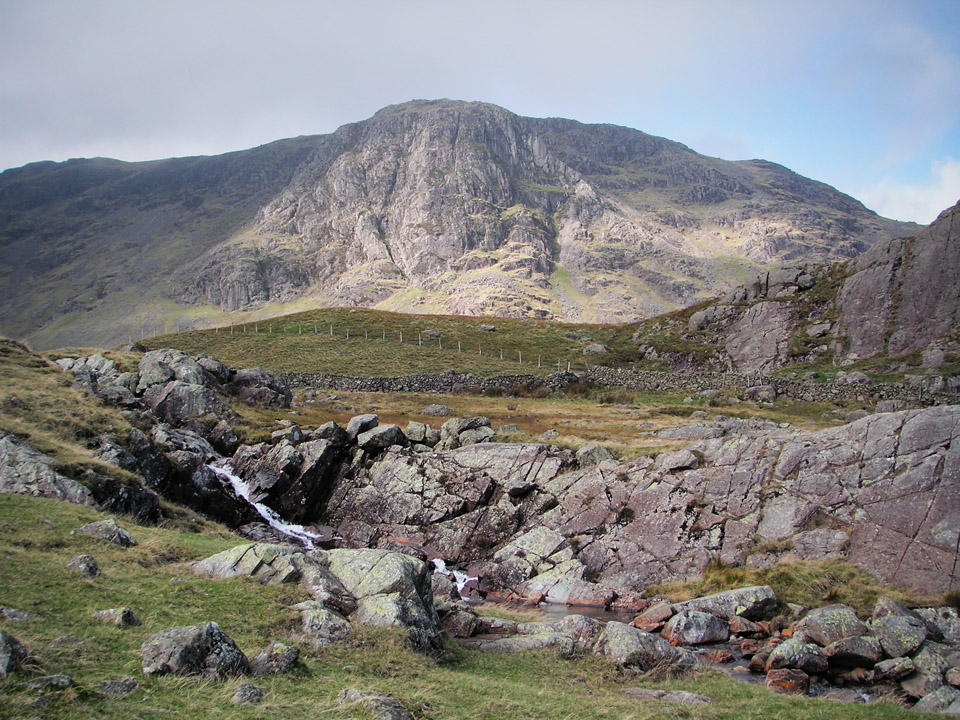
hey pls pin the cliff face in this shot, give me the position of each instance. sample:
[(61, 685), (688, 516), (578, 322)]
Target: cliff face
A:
[(439, 206)]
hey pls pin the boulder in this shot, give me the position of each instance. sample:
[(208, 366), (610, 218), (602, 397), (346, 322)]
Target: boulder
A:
[(85, 565), (900, 635), (49, 682), (257, 386), (382, 707), (108, 531), (761, 393), (274, 659), (12, 653), (798, 655), (754, 603), (117, 688), (856, 651), (829, 624), (919, 684), (382, 437), (894, 669), (637, 650), (563, 644), (437, 410), (938, 701), (360, 424), (321, 625), (121, 617), (246, 694), (201, 649), (158, 367), (691, 627), (177, 402), (583, 630), (654, 617), (592, 454), (677, 697), (391, 589)]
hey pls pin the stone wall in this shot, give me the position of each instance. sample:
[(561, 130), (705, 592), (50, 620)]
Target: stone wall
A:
[(924, 391)]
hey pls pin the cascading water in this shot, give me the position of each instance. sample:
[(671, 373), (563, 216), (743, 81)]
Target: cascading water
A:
[(460, 578), (224, 471)]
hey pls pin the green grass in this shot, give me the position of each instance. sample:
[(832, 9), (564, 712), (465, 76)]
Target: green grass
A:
[(35, 543), (303, 343)]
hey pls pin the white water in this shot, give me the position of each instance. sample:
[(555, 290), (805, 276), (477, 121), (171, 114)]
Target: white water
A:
[(461, 579), (225, 472)]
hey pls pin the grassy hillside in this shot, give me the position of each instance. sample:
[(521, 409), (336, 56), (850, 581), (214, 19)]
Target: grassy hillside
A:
[(317, 341)]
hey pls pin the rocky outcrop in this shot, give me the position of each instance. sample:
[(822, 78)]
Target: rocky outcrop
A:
[(202, 649), (902, 294), (25, 471)]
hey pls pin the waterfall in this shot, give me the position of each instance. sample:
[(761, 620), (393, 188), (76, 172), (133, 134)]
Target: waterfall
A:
[(224, 471)]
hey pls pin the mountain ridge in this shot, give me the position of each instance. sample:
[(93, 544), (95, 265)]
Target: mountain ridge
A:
[(428, 206)]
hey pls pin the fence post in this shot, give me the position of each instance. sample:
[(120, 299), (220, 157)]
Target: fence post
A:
[(348, 333), (331, 329), (419, 339), (501, 353), (366, 334), (256, 328), (440, 342), (401, 337), (299, 329), (520, 355), (459, 349)]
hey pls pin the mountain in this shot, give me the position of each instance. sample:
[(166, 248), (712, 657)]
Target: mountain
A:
[(430, 206)]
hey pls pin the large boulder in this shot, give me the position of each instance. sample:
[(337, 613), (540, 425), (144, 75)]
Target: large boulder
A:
[(691, 627), (391, 589), (177, 402), (158, 367), (320, 625), (108, 531), (641, 651), (900, 635), (798, 655), (754, 603), (201, 649), (829, 624)]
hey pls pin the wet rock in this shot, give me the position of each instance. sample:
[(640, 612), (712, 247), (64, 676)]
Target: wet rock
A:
[(126, 498), (276, 658), (754, 603), (246, 694), (117, 688), (195, 649), (223, 438), (900, 635), (85, 565), (12, 653), (826, 625), (383, 707), (641, 651), (321, 625), (745, 628), (856, 651), (788, 681), (108, 531), (691, 627), (121, 617), (794, 654)]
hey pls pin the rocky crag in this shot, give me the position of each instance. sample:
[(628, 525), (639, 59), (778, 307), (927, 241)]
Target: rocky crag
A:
[(461, 208), (538, 522), (899, 301)]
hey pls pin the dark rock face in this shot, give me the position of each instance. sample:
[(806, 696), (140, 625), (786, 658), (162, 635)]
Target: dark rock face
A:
[(260, 387), (12, 653), (193, 650)]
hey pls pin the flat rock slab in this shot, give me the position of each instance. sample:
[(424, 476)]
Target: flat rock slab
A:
[(678, 697)]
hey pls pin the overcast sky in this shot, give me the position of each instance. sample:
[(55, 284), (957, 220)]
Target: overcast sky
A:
[(863, 95)]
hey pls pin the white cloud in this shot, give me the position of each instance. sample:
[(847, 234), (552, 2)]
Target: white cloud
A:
[(920, 202)]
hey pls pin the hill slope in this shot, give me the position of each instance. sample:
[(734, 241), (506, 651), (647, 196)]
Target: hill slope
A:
[(440, 206)]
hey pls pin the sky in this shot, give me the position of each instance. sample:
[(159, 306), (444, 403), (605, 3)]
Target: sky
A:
[(861, 94)]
